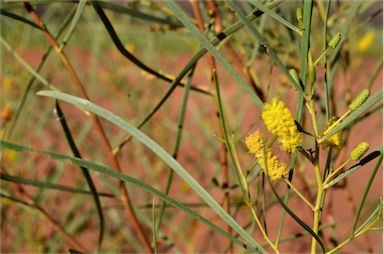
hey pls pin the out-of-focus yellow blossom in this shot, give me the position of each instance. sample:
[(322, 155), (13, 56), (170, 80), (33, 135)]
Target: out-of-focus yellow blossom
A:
[(280, 122), (147, 75), (276, 168), (9, 155), (335, 140), (130, 47), (6, 83), (185, 187), (366, 41)]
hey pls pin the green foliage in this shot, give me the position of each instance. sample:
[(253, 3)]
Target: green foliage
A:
[(163, 87)]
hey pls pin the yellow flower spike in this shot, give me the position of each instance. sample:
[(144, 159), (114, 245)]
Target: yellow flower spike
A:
[(276, 168), (359, 151), (335, 40), (359, 100), (280, 122), (335, 140)]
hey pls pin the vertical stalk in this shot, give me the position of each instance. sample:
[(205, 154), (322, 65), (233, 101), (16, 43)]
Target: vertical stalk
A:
[(304, 47), (319, 198), (223, 149)]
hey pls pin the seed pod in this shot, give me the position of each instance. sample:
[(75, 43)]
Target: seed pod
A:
[(359, 151), (295, 77), (359, 100), (335, 40), (299, 18), (312, 74)]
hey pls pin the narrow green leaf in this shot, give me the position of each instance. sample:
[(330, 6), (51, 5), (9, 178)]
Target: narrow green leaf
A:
[(305, 40), (25, 64), (371, 219), (48, 185), (19, 18), (75, 21), (325, 46), (159, 151), (154, 230), (275, 16)]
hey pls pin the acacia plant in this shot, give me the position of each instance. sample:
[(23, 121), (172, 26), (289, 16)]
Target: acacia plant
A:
[(270, 117)]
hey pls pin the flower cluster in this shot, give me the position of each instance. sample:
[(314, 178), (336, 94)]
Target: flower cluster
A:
[(280, 122), (276, 169)]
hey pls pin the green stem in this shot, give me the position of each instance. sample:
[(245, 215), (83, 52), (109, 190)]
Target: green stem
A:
[(332, 174), (311, 109), (249, 204), (180, 126), (299, 194), (323, 54), (243, 180), (317, 211)]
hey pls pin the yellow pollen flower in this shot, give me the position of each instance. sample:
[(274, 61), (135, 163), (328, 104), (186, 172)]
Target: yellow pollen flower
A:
[(334, 140), (366, 41), (280, 122), (276, 168)]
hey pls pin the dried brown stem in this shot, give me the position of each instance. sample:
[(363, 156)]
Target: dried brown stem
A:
[(99, 128)]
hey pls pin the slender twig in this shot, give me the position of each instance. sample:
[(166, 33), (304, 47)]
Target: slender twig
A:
[(180, 126), (299, 194), (319, 198), (223, 149)]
